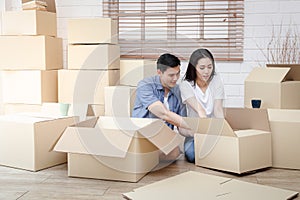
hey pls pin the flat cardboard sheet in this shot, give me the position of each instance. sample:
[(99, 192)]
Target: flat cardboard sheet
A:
[(194, 185)]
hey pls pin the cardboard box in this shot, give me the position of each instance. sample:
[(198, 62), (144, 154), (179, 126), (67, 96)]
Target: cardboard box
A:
[(29, 87), (29, 22), (119, 100), (284, 82), (239, 143), (35, 5), (20, 108), (30, 52), (26, 141), (112, 148), (92, 31), (85, 86), (96, 110), (285, 126), (134, 70), (195, 185), (51, 7), (103, 57)]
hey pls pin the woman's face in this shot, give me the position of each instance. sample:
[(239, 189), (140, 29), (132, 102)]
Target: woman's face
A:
[(204, 69)]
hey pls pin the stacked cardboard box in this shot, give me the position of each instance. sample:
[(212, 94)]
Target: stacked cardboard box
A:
[(30, 56), (278, 87), (93, 63)]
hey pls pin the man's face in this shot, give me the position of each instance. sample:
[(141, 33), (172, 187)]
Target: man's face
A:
[(169, 77)]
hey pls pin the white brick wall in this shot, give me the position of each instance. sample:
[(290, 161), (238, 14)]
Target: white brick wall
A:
[(260, 17)]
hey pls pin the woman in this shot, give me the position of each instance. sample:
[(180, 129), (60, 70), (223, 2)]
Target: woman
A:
[(202, 91)]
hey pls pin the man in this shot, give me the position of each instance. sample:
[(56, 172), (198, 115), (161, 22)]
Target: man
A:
[(159, 96)]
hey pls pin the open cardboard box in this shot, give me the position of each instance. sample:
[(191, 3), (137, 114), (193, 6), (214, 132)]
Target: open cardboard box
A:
[(26, 140), (283, 81), (112, 148), (194, 186), (239, 143), (285, 126)]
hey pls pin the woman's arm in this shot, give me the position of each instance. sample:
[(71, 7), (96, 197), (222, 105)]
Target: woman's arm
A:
[(218, 108), (196, 106)]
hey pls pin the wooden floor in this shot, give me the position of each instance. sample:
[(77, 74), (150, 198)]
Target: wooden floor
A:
[(53, 183)]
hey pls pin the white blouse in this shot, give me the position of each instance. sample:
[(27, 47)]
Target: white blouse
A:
[(215, 90)]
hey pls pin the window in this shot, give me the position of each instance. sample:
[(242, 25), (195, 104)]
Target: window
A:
[(148, 28)]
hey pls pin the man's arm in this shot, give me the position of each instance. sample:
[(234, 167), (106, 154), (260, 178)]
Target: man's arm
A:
[(159, 110)]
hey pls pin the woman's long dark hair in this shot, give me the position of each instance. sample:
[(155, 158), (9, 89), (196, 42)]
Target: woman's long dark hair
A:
[(191, 74)]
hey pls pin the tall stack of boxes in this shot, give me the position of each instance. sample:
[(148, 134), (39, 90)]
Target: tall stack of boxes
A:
[(93, 62), (278, 86), (30, 55)]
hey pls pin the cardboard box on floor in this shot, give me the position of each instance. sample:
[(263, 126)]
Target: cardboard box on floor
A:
[(119, 100), (239, 143), (85, 86), (134, 70), (195, 186), (92, 31), (10, 108), (30, 86), (45, 53), (111, 148), (102, 57), (26, 141), (285, 126), (29, 22), (284, 82)]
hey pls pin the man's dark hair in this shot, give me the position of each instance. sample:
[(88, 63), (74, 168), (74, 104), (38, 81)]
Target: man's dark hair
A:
[(167, 60)]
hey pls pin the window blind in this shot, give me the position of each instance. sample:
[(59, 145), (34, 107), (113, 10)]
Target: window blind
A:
[(148, 28)]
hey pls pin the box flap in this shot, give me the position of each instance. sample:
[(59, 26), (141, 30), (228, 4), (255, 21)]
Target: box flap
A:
[(284, 115), (267, 75), (249, 132), (294, 73), (247, 118), (211, 126), (159, 134), (94, 141)]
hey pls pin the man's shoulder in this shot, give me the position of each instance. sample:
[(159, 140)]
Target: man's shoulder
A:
[(148, 81)]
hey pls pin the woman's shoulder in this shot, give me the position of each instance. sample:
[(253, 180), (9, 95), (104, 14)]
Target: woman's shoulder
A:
[(185, 83), (217, 78), (216, 81)]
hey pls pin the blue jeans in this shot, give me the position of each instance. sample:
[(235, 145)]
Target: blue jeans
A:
[(189, 149)]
